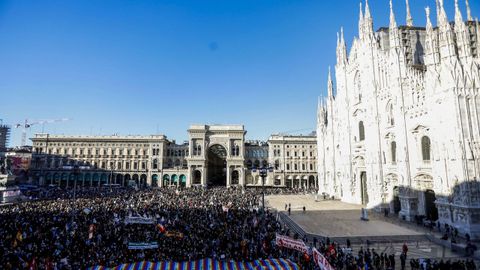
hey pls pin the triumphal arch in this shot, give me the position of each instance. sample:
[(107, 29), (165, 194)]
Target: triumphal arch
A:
[(216, 155)]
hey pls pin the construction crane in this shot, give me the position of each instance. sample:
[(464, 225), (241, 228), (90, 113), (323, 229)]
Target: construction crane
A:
[(26, 125)]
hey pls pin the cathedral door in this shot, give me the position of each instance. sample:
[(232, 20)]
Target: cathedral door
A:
[(431, 210)]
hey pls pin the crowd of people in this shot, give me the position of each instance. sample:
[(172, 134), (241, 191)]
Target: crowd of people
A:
[(188, 224), (54, 231)]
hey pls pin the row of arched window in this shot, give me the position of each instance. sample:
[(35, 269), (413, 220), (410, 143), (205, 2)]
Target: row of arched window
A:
[(426, 150)]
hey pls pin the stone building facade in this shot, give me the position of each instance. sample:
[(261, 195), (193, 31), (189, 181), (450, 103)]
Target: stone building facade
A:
[(401, 127), (214, 155)]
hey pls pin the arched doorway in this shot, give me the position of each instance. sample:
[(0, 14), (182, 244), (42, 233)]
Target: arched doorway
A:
[(217, 166), (95, 180), (304, 182), (249, 179), (363, 188), (154, 180), (431, 210), (174, 180), (311, 181), (104, 179), (56, 179), (71, 180), (88, 179), (277, 181), (166, 180), (197, 177), (119, 180), (288, 182), (63, 182), (183, 180), (396, 200), (235, 177), (296, 182), (143, 180), (48, 179)]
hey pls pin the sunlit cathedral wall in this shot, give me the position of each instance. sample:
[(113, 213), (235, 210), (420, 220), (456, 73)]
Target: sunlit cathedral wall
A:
[(401, 127)]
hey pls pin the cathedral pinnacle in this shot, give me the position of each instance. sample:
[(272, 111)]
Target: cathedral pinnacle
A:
[(469, 12), (368, 23), (429, 22), (360, 21), (393, 23), (342, 38), (330, 84), (437, 8), (409, 15), (458, 14), (338, 41), (367, 10), (341, 48), (442, 15)]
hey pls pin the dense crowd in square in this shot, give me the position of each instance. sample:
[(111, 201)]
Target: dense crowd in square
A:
[(53, 231)]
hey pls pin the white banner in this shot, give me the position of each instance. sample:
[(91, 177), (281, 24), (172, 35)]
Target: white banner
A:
[(287, 242), (139, 220), (142, 245), (321, 261)]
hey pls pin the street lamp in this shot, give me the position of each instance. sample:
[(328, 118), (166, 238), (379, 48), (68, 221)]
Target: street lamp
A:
[(263, 172), (111, 176), (76, 172)]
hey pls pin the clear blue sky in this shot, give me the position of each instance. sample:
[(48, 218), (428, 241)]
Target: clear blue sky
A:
[(129, 67)]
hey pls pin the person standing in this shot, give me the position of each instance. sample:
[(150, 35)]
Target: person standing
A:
[(403, 259), (405, 249)]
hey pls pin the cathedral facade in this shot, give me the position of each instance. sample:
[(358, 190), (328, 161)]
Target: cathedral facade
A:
[(401, 127)]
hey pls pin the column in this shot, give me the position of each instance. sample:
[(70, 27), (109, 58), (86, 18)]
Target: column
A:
[(204, 175), (189, 177), (241, 179), (228, 175)]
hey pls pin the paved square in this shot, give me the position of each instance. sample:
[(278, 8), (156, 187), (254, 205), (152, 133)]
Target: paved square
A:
[(334, 218)]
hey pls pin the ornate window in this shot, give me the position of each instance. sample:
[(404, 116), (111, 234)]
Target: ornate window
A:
[(361, 131), (393, 151), (391, 120), (358, 88), (426, 148)]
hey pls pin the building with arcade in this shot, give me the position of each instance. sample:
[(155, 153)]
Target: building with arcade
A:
[(214, 155)]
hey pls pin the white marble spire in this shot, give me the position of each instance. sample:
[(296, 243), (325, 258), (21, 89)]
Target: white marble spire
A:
[(409, 15), (469, 12), (330, 84), (393, 22), (429, 22), (458, 13)]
